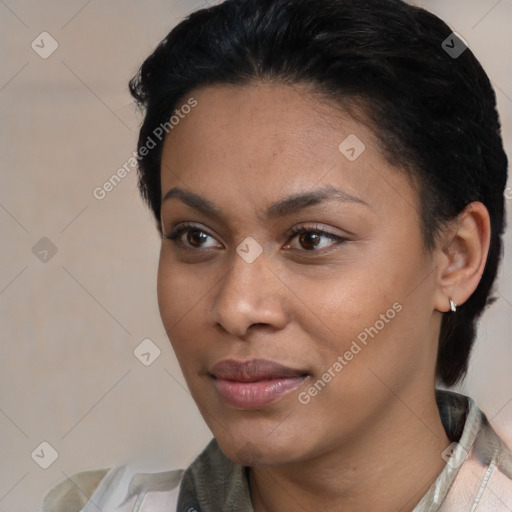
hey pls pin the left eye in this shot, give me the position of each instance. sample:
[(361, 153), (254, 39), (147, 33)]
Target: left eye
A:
[(311, 239)]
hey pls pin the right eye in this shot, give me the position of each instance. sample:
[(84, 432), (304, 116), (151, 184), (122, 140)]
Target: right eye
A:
[(195, 237)]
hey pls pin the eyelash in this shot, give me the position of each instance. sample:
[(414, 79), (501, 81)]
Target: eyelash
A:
[(296, 230)]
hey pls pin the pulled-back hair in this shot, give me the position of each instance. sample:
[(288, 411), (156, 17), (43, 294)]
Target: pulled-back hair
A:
[(432, 111)]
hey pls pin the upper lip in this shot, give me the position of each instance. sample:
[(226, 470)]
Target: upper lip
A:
[(253, 370)]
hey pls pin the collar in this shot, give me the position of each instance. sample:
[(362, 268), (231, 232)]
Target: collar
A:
[(213, 479)]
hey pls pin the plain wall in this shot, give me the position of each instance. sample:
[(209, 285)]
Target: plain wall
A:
[(70, 325)]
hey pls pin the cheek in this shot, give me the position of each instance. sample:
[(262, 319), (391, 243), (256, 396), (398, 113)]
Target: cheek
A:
[(179, 301), (367, 300), (345, 299), (167, 285), (180, 287), (381, 333)]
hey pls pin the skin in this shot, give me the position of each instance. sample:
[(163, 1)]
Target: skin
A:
[(372, 438)]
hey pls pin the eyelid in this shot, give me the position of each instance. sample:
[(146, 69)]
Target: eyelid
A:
[(184, 227), (316, 227)]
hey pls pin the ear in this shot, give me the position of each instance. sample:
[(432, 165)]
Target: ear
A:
[(461, 255)]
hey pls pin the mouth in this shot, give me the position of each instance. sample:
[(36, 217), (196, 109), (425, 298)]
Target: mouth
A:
[(255, 383)]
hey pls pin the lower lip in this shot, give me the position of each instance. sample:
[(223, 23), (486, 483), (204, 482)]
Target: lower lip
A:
[(255, 395)]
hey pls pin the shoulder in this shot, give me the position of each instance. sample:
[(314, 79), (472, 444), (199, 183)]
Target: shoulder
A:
[(484, 479), (72, 494), (122, 488)]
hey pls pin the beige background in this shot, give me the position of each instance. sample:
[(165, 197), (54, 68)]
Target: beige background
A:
[(69, 326)]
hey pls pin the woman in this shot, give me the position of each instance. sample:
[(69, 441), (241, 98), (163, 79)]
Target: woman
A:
[(327, 177)]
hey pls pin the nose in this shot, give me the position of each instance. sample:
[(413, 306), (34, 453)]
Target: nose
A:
[(249, 294)]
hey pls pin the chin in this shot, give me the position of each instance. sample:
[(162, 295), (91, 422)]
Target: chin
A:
[(257, 451)]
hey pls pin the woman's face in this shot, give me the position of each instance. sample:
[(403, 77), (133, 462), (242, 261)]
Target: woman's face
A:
[(347, 306)]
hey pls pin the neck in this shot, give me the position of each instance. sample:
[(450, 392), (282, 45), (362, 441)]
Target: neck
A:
[(389, 465)]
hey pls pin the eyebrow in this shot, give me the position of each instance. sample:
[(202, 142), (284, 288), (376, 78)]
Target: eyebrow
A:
[(282, 208)]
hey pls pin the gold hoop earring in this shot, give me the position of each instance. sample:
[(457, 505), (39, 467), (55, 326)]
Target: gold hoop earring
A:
[(453, 306)]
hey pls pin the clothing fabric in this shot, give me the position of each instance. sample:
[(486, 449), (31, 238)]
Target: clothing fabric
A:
[(477, 476)]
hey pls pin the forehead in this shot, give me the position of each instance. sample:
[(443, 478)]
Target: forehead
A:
[(261, 141), (262, 120)]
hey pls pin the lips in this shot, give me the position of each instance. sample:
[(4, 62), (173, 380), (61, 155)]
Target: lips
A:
[(255, 383), (253, 370)]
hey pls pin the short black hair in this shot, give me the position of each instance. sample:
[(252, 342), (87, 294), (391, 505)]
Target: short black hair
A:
[(433, 111)]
